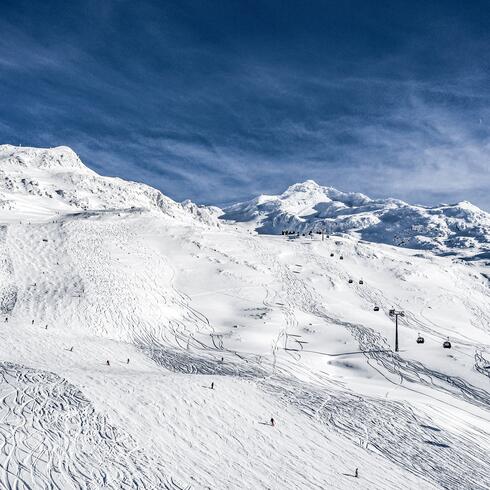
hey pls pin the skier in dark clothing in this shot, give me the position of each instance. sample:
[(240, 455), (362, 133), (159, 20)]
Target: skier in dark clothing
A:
[(71, 349), (108, 363), (212, 385), (272, 422), (127, 361), (7, 319), (32, 322), (357, 473)]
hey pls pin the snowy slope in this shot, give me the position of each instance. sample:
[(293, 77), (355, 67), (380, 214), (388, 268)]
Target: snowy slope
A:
[(273, 323), (308, 206)]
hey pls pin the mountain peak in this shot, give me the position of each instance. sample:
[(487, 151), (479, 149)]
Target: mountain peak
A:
[(307, 185), (55, 181), (60, 157), (308, 206)]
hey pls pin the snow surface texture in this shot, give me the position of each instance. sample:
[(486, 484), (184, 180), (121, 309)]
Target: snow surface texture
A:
[(95, 269), (309, 207)]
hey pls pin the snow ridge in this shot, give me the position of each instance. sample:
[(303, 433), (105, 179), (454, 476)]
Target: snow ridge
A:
[(54, 181), (60, 157)]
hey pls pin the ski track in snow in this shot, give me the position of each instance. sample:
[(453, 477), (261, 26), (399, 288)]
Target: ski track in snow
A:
[(390, 425), (393, 429), (51, 437)]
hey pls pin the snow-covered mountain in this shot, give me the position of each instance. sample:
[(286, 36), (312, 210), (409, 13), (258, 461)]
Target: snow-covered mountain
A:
[(144, 346), (54, 180), (308, 207)]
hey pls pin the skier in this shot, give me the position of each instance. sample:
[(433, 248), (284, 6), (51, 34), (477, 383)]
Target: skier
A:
[(108, 363), (71, 348), (357, 473), (32, 322), (127, 361), (7, 319), (212, 385), (46, 327), (272, 421)]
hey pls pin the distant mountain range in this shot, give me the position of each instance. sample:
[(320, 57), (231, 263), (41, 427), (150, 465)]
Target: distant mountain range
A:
[(308, 207)]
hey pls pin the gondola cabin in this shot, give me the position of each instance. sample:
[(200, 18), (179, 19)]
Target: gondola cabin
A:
[(420, 339), (446, 344), (376, 308), (350, 281), (361, 281)]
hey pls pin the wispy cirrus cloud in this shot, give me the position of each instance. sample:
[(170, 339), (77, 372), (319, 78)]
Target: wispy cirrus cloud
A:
[(215, 105)]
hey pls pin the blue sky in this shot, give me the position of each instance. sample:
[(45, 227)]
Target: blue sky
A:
[(220, 100)]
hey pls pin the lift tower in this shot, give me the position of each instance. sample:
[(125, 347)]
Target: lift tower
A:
[(396, 314)]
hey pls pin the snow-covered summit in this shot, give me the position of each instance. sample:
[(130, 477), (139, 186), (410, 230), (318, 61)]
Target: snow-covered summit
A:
[(59, 158), (307, 206), (54, 180)]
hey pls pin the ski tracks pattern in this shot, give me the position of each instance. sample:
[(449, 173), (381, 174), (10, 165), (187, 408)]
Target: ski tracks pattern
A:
[(51, 437)]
